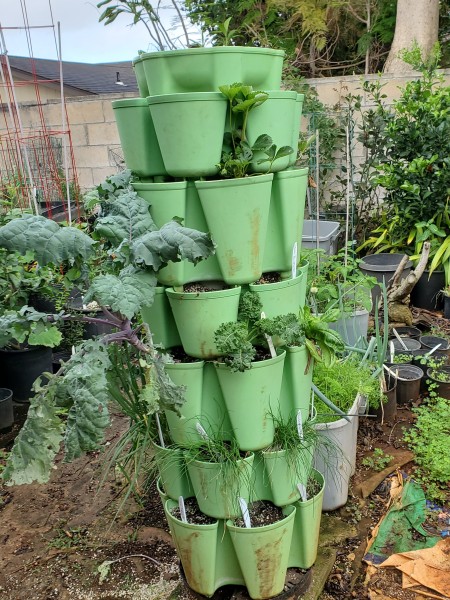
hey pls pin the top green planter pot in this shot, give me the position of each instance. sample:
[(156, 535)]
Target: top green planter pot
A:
[(138, 67), (296, 129), (190, 129), (205, 69), (137, 137), (275, 117)]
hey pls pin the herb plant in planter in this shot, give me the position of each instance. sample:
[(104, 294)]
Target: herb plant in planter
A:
[(73, 406), (220, 474), (236, 207), (249, 376)]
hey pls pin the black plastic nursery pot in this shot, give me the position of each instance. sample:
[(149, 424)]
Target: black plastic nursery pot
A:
[(438, 355), (388, 410), (410, 343), (408, 383), (6, 409), (427, 291), (447, 307), (411, 332), (438, 376), (431, 341), (20, 368)]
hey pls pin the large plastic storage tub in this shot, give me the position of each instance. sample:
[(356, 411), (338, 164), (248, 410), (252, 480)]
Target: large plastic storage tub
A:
[(326, 231)]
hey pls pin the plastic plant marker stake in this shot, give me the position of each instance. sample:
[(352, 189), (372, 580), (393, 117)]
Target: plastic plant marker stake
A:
[(302, 491), (300, 424), (433, 350), (400, 339), (73, 350), (160, 433), (294, 260), (391, 350), (273, 352), (201, 431), (245, 513), (182, 509)]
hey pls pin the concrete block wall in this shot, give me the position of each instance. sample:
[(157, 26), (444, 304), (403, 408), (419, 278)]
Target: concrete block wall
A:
[(95, 138)]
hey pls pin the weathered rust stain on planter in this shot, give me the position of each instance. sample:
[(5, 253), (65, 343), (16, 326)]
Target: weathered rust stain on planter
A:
[(255, 223), (268, 559), (186, 558), (234, 264)]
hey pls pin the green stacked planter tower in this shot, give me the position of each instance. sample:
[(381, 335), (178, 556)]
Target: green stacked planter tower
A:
[(255, 222)]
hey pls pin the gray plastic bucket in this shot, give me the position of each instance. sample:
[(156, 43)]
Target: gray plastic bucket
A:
[(382, 266)]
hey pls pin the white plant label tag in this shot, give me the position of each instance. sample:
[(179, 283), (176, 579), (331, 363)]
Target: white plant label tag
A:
[(300, 424), (302, 491), (182, 509), (245, 513), (273, 352), (294, 260), (201, 431), (73, 350), (160, 434)]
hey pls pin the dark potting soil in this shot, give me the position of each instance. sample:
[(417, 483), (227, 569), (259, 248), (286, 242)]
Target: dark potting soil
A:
[(313, 487), (268, 278), (204, 287), (179, 356), (261, 354), (193, 513), (262, 513)]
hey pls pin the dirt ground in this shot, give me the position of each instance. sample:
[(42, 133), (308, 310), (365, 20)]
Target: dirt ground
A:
[(54, 537)]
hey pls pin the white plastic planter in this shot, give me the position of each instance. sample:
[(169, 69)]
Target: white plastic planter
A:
[(338, 464)]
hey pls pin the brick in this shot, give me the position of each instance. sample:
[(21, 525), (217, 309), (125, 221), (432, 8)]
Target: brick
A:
[(91, 156), (100, 134), (78, 135), (85, 178), (85, 111)]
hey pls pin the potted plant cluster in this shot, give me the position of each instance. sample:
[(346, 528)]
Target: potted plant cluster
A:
[(238, 316), (225, 350), (410, 167)]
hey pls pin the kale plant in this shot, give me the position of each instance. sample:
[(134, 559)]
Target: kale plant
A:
[(73, 406)]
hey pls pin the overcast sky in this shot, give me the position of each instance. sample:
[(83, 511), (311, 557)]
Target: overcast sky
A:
[(83, 38)]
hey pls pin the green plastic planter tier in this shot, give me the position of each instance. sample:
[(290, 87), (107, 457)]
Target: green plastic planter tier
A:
[(296, 384), (138, 67), (179, 198), (275, 117), (296, 129), (303, 268), (198, 315), (237, 214), (204, 403), (205, 69), (173, 472), (138, 138), (284, 472), (263, 554), (250, 397), (206, 553), (218, 486), (285, 227), (190, 129), (279, 298), (160, 319), (305, 540)]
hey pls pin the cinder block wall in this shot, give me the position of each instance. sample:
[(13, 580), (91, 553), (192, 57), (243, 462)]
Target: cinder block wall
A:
[(95, 138)]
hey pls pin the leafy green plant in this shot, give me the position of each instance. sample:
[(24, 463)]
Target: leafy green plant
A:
[(73, 406), (429, 439), (336, 282), (323, 343), (413, 167), (342, 382), (378, 461), (237, 154), (237, 341)]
